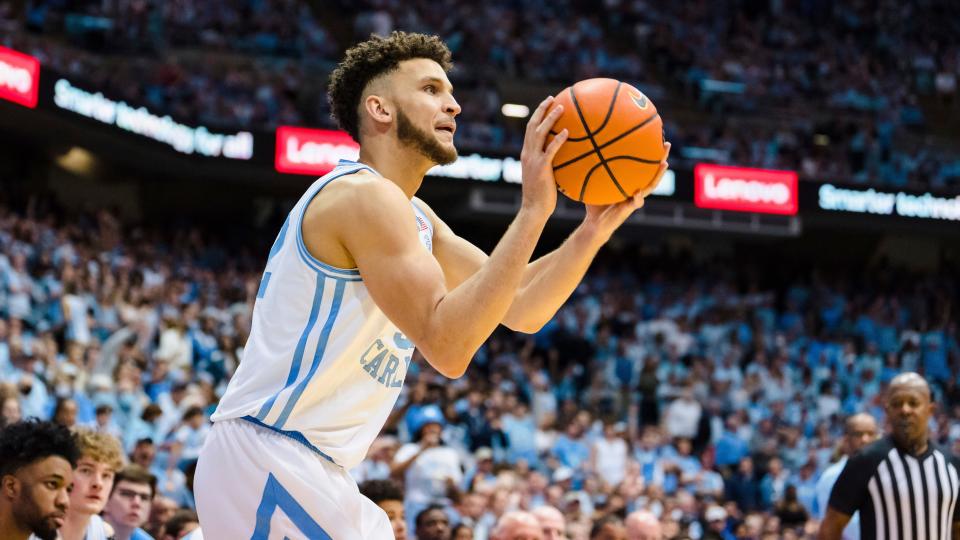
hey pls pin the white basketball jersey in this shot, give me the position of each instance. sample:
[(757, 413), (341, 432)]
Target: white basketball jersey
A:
[(323, 365)]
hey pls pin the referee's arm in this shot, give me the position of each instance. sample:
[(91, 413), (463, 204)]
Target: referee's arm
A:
[(955, 518), (831, 528)]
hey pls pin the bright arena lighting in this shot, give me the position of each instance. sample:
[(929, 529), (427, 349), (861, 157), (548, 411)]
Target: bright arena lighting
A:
[(515, 110), (77, 160)]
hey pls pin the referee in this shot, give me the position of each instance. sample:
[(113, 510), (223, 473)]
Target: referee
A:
[(903, 486)]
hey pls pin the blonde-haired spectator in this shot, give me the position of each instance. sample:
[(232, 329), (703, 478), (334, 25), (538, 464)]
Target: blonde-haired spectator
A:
[(101, 456)]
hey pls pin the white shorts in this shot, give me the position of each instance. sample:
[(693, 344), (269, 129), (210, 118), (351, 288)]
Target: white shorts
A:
[(253, 483)]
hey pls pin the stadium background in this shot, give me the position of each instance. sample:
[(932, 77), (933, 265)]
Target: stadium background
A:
[(149, 155)]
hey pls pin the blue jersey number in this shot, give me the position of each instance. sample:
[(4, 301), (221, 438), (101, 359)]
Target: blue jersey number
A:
[(277, 244)]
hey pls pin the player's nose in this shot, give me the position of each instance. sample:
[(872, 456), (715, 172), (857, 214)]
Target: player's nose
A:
[(62, 502), (451, 107)]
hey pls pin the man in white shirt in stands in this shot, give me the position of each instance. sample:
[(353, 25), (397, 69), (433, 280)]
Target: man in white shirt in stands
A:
[(683, 415), (429, 467)]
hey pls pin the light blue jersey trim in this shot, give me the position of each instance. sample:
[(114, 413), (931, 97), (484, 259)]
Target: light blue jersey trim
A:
[(347, 274), (329, 271), (278, 243), (317, 355), (262, 291), (301, 345), (276, 496)]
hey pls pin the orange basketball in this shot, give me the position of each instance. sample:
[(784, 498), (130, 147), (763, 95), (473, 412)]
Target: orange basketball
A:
[(615, 141)]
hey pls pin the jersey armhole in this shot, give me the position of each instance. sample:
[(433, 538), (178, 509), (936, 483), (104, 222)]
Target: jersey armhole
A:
[(346, 274)]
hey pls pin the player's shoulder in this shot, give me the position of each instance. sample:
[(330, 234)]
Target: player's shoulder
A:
[(363, 184), (358, 196)]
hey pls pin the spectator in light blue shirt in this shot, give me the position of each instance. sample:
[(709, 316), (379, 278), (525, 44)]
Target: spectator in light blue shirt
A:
[(730, 448), (860, 430), (521, 428), (806, 483), (570, 448)]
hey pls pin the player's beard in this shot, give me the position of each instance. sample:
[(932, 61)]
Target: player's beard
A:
[(424, 143), (41, 526)]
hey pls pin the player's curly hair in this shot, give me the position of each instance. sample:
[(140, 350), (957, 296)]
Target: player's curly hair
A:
[(381, 490), (370, 59), (23, 443)]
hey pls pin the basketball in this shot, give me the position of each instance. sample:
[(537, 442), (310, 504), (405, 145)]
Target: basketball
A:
[(615, 142)]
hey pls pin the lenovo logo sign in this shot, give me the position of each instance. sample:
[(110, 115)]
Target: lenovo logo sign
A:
[(312, 152), (745, 190), (19, 77)]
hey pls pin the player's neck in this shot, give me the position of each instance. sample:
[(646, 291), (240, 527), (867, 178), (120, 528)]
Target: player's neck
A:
[(9, 528), (74, 526), (402, 166)]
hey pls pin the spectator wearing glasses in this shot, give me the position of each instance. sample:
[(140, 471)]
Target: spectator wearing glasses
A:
[(129, 504)]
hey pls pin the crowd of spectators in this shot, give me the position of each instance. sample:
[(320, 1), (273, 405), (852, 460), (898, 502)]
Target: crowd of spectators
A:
[(705, 398), (835, 86)]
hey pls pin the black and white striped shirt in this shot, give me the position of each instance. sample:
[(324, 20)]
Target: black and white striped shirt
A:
[(900, 496)]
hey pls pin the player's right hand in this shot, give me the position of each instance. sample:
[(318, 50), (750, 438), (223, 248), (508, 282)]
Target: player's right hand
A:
[(536, 158), (603, 220)]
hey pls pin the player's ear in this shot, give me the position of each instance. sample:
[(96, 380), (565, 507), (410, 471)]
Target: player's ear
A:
[(9, 486), (378, 108)]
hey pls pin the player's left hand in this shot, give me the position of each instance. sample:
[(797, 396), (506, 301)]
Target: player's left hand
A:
[(605, 219)]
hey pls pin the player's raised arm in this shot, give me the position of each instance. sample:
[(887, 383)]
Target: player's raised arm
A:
[(376, 226), (551, 279)]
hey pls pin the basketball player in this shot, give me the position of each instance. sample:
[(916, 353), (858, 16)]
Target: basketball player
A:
[(362, 272)]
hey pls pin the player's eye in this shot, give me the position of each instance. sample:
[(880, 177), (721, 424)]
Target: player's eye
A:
[(430, 89)]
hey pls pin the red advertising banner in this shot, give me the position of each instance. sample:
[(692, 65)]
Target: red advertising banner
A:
[(19, 77), (312, 151), (745, 190)]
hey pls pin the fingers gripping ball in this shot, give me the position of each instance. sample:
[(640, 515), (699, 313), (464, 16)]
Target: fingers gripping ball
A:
[(615, 142)]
